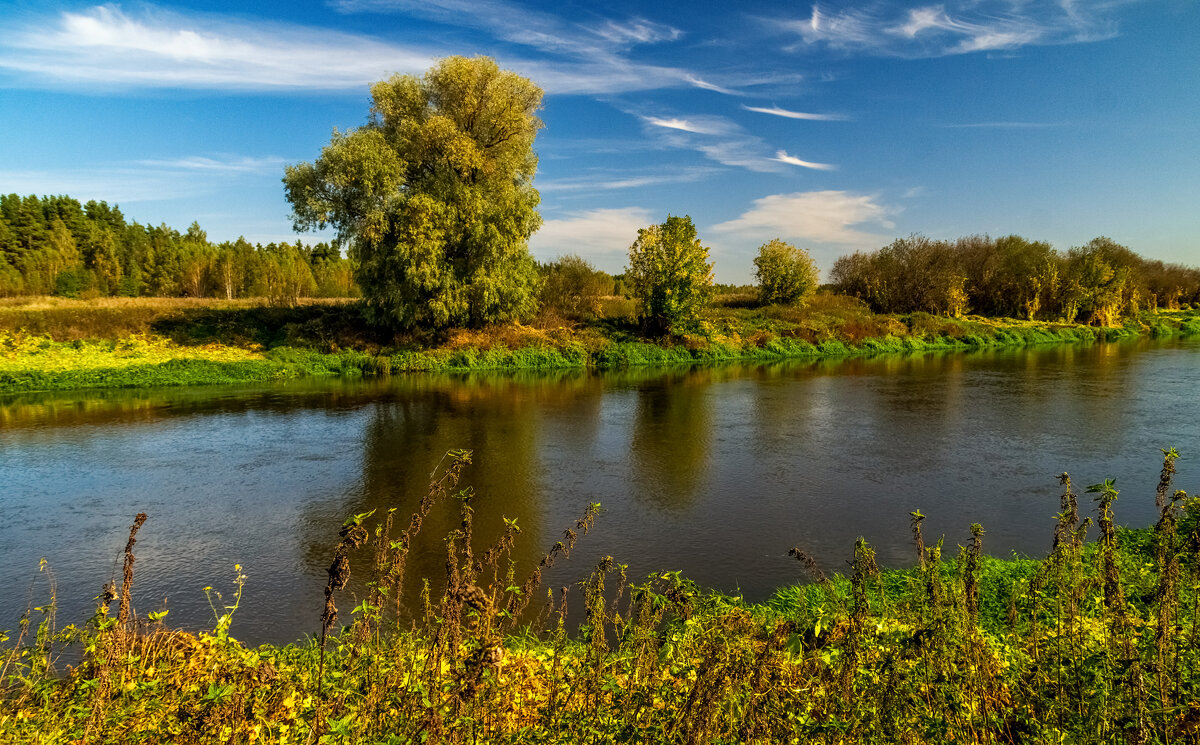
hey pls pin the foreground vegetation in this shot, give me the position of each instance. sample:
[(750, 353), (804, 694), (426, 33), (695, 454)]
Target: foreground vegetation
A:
[(58, 344), (1097, 643)]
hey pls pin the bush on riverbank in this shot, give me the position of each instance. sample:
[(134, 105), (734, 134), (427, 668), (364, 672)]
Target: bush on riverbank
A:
[(1097, 643)]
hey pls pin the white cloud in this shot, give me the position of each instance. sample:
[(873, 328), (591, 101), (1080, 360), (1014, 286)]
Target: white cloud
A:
[(113, 185), (718, 139), (148, 180), (986, 41), (230, 164), (601, 77), (637, 31), (746, 152), (704, 84), (819, 216), (599, 232), (521, 24), (608, 181), (921, 19), (776, 111), (955, 27), (701, 125), (783, 157), (107, 47), (851, 27), (588, 59), (501, 19)]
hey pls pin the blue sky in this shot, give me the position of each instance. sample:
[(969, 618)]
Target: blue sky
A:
[(837, 126)]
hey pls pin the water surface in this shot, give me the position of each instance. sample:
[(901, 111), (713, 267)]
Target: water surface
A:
[(717, 471)]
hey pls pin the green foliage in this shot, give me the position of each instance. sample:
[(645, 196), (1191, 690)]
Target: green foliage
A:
[(146, 342), (1096, 643), (1100, 283), (572, 288), (434, 195), (55, 246), (914, 274), (670, 274), (786, 274), (287, 276)]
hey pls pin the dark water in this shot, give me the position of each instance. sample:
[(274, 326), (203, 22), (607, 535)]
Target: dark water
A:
[(715, 471)]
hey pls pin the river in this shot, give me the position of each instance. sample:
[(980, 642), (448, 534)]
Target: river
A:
[(716, 471)]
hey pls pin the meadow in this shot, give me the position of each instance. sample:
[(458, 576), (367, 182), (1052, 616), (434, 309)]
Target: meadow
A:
[(1097, 642), (62, 344)]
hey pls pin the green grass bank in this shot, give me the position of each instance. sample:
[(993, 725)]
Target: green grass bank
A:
[(64, 345), (1097, 643)]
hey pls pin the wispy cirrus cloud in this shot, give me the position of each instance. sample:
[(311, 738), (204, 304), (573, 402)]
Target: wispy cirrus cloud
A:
[(605, 234), (724, 141), (1004, 125), (107, 47), (705, 85), (114, 185), (743, 152), (609, 180), (587, 58), (818, 216), (953, 27), (700, 125), (226, 164), (149, 180), (637, 31), (523, 25), (787, 114), (791, 160)]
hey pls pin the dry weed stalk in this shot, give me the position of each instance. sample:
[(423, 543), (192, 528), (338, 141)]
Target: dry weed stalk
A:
[(115, 642)]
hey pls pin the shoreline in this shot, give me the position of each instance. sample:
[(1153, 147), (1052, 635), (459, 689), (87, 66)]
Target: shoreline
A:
[(959, 643), (32, 363)]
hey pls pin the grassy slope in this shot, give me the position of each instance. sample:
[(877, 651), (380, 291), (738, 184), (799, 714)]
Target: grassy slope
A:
[(1098, 644), (60, 345)]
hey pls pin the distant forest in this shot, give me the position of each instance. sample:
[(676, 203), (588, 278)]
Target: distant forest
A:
[(57, 246)]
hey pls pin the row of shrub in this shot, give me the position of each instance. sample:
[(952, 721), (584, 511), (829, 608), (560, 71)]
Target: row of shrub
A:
[(1101, 282)]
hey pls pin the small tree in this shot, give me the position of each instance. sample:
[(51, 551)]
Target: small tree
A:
[(669, 273), (786, 274)]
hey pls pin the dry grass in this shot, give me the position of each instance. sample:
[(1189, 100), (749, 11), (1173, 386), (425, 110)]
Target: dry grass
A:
[(499, 336), (44, 302), (1099, 643), (244, 321)]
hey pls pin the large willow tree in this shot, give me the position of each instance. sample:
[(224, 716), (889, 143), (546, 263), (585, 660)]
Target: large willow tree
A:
[(434, 195)]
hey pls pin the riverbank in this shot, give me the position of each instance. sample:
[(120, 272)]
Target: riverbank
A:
[(1099, 642), (67, 345)]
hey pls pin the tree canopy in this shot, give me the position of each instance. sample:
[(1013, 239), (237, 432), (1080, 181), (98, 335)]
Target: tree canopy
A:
[(572, 287), (434, 195), (669, 272), (55, 245), (1097, 283), (786, 274)]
